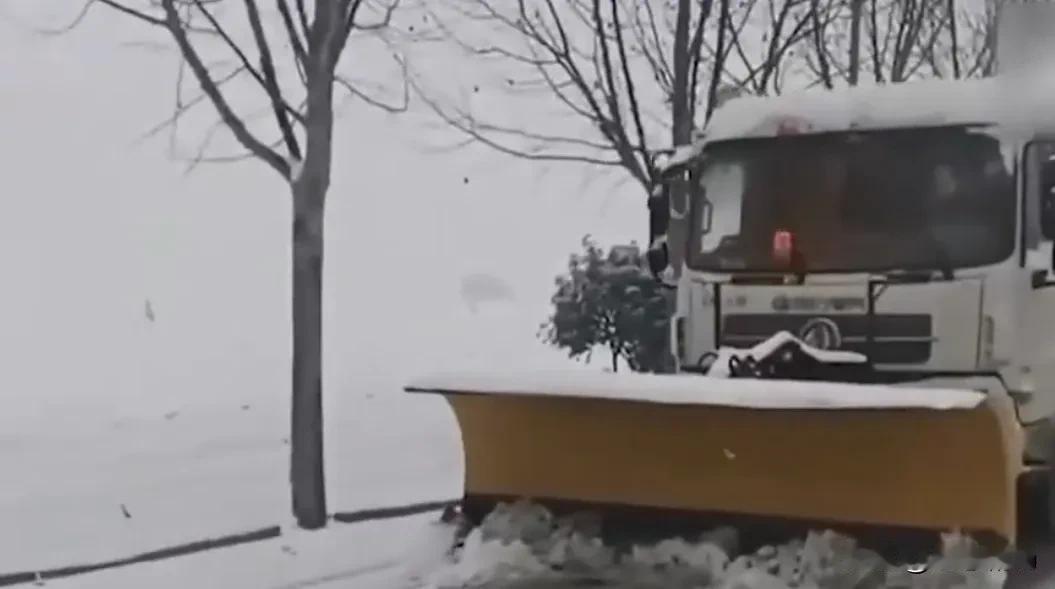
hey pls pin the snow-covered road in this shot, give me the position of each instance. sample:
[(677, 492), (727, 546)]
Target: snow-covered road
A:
[(216, 470), (206, 472), (364, 556)]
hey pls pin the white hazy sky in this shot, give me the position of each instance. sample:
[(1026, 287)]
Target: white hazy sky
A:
[(91, 226)]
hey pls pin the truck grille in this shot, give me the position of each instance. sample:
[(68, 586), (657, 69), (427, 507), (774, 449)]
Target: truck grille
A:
[(897, 338)]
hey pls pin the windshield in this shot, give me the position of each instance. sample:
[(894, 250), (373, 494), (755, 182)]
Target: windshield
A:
[(876, 201)]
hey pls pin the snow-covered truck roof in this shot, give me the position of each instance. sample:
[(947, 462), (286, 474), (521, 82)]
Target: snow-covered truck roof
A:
[(1021, 102), (1018, 100), (909, 104)]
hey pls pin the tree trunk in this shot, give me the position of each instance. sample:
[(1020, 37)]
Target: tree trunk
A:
[(681, 132), (615, 361), (310, 184), (307, 477), (718, 67), (680, 107), (951, 9), (856, 11)]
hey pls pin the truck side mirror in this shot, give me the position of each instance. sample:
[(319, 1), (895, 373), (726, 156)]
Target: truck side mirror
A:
[(658, 212), (1047, 212), (658, 224), (1047, 199), (658, 258)]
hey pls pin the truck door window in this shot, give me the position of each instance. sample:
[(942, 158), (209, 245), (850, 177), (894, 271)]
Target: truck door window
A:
[(723, 186), (1040, 175)]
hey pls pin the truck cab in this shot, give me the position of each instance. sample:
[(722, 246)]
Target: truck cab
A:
[(911, 224)]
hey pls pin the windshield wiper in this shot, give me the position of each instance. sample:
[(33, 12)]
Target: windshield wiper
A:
[(942, 258), (942, 263)]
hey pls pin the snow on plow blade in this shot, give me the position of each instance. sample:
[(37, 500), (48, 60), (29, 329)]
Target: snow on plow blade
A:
[(925, 459)]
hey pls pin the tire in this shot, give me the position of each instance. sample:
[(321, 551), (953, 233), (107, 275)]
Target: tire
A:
[(1049, 479)]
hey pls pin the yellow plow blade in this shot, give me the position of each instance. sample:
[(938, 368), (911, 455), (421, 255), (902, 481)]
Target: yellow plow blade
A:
[(907, 467)]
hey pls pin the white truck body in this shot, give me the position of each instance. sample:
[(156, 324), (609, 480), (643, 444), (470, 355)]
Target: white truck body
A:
[(989, 325)]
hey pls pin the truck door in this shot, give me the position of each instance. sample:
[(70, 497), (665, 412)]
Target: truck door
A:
[(1037, 318)]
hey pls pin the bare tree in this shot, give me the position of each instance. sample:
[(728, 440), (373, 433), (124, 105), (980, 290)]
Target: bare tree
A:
[(764, 35), (630, 71), (900, 40), (295, 75), (968, 49), (627, 77)]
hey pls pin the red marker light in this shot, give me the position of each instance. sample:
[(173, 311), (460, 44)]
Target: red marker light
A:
[(783, 246), (791, 126)]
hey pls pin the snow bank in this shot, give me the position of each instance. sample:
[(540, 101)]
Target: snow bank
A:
[(524, 545), (697, 390)]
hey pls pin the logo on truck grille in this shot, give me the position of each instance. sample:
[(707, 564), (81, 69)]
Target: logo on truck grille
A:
[(821, 333)]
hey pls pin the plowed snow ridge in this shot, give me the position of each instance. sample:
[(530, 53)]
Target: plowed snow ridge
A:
[(522, 545)]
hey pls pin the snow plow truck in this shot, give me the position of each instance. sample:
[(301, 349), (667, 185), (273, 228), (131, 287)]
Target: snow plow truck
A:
[(864, 334)]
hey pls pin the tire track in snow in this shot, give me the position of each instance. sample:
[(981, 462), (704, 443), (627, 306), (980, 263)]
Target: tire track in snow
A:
[(340, 576)]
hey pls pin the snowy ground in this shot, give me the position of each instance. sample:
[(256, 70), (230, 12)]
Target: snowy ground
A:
[(366, 556), (199, 469), (202, 474), (217, 470), (178, 415), (513, 551), (144, 324), (221, 469)]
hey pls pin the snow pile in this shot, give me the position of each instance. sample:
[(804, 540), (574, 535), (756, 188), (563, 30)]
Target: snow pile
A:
[(692, 389), (524, 545), (720, 366)]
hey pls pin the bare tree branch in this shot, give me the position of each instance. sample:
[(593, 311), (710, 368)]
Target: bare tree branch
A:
[(386, 19), (201, 155), (208, 86), (300, 54), (719, 59), (902, 40), (628, 79), (476, 135), (378, 103), (183, 108), (139, 15), (820, 46), (257, 75), (81, 15), (270, 80), (153, 20), (696, 50), (604, 63)]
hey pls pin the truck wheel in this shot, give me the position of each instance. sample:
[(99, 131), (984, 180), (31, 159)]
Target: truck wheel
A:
[(1035, 503), (1049, 480), (1036, 496)]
